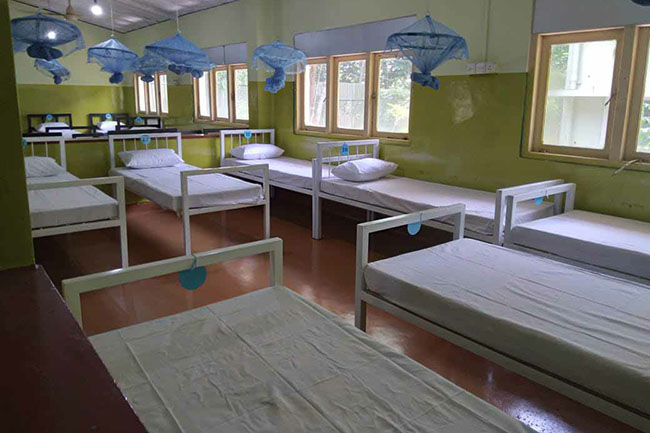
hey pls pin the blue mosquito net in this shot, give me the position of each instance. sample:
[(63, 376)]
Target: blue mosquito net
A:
[(182, 56), (52, 68), (45, 37), (428, 44), (148, 65), (281, 59), (114, 57)]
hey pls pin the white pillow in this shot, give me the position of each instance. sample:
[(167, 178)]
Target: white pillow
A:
[(108, 125), (362, 170), (43, 126), (41, 166), (256, 151), (152, 158)]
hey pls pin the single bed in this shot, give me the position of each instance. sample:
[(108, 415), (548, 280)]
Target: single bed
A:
[(579, 332), (608, 244), (55, 123), (271, 361), (186, 189), (63, 203)]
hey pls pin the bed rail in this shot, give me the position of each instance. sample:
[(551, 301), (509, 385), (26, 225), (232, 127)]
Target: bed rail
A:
[(156, 140), (566, 191), (187, 211), (231, 138), (118, 186), (30, 141), (334, 153), (74, 287), (363, 237)]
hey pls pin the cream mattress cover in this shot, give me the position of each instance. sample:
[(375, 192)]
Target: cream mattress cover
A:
[(63, 206), (270, 361), (163, 186), (591, 329), (614, 243), (284, 169)]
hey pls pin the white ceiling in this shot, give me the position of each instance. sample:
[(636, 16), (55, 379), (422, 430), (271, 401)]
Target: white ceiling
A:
[(129, 14)]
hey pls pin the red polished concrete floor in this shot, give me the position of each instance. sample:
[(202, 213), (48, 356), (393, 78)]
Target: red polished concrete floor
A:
[(322, 271)]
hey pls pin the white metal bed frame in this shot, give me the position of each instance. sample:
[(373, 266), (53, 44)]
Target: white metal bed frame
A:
[(363, 297), (562, 194), (330, 153), (118, 187), (74, 287), (186, 211)]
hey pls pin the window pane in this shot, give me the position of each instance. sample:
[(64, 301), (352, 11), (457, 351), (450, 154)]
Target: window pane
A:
[(316, 95), (153, 96), (579, 90), (222, 94), (241, 94), (164, 99), (204, 96), (142, 97), (394, 95), (643, 140), (351, 94)]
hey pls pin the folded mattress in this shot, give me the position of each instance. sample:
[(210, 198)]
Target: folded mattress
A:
[(289, 171), (270, 361), (588, 328), (64, 206), (406, 195), (613, 243), (162, 185)]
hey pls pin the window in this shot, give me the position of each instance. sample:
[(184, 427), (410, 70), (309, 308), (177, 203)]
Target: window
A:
[(364, 94), (222, 95), (583, 105), (148, 95)]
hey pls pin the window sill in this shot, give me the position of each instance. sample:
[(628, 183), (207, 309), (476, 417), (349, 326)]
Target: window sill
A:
[(597, 162), (382, 140), (221, 124)]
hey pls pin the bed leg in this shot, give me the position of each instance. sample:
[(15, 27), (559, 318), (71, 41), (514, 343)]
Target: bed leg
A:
[(370, 215), (360, 314), (316, 218), (187, 240)]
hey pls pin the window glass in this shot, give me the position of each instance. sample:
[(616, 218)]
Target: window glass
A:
[(164, 98), (394, 95), (578, 95), (241, 94), (204, 96), (221, 78), (351, 94), (142, 96), (315, 94), (643, 139), (153, 96)]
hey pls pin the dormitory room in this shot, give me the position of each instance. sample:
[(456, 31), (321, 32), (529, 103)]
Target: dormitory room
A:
[(346, 216)]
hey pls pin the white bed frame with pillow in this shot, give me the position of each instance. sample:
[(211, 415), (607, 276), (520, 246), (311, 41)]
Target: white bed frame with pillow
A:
[(157, 140), (364, 297), (330, 153), (118, 187)]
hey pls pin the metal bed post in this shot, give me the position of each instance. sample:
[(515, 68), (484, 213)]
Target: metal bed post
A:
[(316, 174)]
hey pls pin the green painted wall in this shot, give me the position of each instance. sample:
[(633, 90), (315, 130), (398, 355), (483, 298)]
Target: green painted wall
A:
[(15, 230)]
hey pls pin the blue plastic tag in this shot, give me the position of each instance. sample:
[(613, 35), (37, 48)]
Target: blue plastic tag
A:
[(248, 134), (194, 278), (49, 117), (345, 149), (539, 200), (145, 139), (24, 143), (138, 119), (414, 228), (108, 116)]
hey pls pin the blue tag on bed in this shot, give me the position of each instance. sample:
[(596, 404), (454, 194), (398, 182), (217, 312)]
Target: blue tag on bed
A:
[(49, 117), (145, 139), (248, 134), (24, 143), (539, 200), (108, 116), (192, 279), (414, 228), (345, 149), (138, 119)]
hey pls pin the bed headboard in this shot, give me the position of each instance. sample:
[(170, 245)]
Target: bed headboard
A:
[(95, 118), (157, 140), (31, 141), (231, 138), (338, 152), (152, 122), (33, 120)]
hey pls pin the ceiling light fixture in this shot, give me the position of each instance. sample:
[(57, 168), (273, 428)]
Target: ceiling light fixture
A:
[(51, 35), (96, 9)]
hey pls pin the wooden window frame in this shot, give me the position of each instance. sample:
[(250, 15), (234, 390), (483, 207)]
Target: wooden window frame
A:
[(376, 66), (636, 95), (160, 111), (213, 94), (300, 101), (197, 106), (336, 60), (147, 109), (232, 88), (232, 113)]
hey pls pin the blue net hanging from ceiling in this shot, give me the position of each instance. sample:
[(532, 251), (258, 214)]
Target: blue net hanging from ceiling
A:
[(45, 37), (114, 57), (281, 59), (182, 56), (53, 69), (148, 65), (428, 44)]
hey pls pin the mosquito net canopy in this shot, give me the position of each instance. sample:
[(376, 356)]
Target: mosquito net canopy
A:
[(114, 57), (281, 59), (45, 37), (53, 69)]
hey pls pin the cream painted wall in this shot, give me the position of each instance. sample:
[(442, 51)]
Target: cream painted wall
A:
[(82, 73)]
